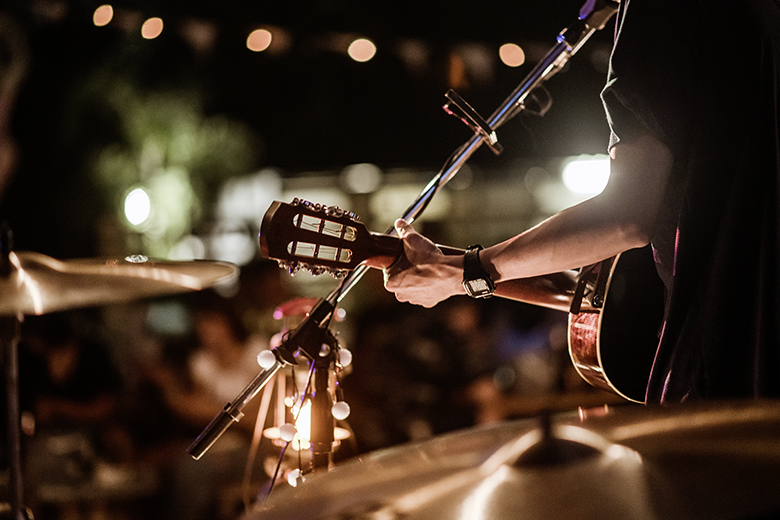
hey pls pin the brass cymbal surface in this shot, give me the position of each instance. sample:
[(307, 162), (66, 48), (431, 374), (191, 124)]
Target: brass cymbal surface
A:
[(38, 284), (692, 461)]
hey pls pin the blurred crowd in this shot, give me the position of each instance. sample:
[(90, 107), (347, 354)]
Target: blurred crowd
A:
[(112, 396)]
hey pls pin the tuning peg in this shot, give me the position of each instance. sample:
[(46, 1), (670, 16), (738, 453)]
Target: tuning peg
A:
[(334, 211), (293, 268), (338, 274), (315, 270)]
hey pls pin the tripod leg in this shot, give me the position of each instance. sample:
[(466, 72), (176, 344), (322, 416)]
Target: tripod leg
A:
[(9, 335)]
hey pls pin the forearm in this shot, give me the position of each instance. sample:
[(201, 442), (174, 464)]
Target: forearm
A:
[(578, 236), (622, 217)]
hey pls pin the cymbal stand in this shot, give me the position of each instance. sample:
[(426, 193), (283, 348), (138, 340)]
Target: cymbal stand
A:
[(9, 337), (311, 334)]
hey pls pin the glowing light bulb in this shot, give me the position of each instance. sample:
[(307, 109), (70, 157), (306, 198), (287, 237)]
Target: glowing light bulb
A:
[(294, 477), (303, 422), (287, 432), (340, 410), (266, 359), (345, 357)]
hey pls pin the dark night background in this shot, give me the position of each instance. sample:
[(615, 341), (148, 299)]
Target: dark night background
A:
[(309, 108)]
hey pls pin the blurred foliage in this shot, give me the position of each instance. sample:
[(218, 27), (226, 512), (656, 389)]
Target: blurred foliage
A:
[(162, 140)]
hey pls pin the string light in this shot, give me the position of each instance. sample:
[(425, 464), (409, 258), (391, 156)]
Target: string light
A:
[(259, 40), (340, 410), (414, 53), (361, 50), (511, 54), (152, 28), (103, 15)]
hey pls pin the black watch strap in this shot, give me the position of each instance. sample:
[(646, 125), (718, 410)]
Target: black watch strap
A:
[(476, 281)]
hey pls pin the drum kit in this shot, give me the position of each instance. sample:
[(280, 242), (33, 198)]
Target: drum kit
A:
[(708, 460), (33, 284), (692, 461)]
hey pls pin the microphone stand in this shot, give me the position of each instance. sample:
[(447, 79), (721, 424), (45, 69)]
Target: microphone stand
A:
[(9, 338), (312, 334)]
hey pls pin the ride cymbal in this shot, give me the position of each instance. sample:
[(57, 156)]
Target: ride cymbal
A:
[(693, 461), (38, 284)]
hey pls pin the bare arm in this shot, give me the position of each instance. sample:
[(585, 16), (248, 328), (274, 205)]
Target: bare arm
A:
[(622, 217)]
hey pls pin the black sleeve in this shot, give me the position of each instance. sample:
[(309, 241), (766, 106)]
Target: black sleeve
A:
[(650, 85)]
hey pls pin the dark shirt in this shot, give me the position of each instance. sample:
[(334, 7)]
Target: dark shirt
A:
[(704, 77)]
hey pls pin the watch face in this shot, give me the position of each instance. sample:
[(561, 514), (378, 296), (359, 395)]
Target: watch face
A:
[(478, 287)]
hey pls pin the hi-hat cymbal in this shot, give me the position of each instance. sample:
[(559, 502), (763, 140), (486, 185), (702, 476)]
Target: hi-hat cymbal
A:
[(38, 284), (696, 461)]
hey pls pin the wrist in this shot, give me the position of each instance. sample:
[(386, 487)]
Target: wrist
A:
[(477, 282)]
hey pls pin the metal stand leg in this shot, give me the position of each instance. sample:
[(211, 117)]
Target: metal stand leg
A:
[(9, 335)]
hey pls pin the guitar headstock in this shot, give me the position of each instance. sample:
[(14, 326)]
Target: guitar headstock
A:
[(319, 238)]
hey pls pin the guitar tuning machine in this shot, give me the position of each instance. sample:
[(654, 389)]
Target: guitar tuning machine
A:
[(306, 203), (334, 211), (290, 267), (314, 270), (331, 211)]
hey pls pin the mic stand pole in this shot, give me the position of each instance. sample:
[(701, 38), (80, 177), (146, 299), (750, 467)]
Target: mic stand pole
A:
[(9, 338), (310, 334)]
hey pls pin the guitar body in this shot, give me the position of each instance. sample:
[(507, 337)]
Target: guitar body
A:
[(613, 347)]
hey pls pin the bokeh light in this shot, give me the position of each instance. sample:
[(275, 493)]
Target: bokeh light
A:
[(361, 50), (103, 15), (511, 54), (152, 28), (587, 174), (138, 206), (259, 40)]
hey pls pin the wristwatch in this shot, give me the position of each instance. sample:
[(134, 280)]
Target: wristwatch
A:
[(476, 280)]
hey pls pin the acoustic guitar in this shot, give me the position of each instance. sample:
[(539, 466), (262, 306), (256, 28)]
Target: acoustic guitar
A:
[(612, 341)]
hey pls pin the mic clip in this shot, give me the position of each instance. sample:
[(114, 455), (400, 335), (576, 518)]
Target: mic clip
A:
[(457, 106)]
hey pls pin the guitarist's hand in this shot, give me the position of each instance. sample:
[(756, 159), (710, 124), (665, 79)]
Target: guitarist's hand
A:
[(423, 275)]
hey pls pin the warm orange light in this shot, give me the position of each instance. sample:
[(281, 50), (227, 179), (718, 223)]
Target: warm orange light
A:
[(259, 40), (361, 50), (152, 28), (511, 54), (103, 15)]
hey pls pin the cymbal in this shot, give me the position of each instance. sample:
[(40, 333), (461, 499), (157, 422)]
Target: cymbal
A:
[(711, 460), (39, 284)]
